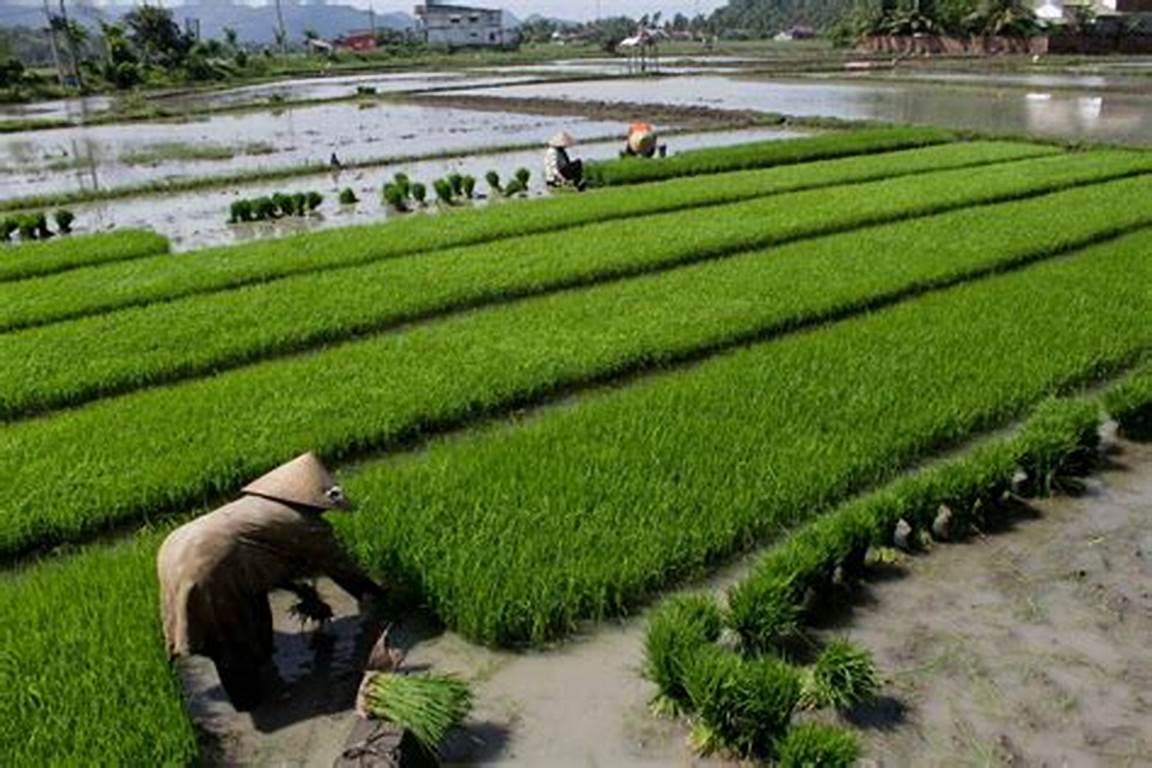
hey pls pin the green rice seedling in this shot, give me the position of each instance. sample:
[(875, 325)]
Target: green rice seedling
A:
[(240, 211), (1130, 404), (42, 230), (842, 677), (51, 258), (314, 200), (427, 705), (456, 183), (678, 627), (814, 745), (761, 155), (299, 204), (395, 197), (64, 219), (228, 267), (403, 183), (283, 203), (765, 614), (211, 332), (348, 196), (743, 705), (468, 186), (443, 189), (264, 209), (8, 227), (29, 226), (514, 188), (522, 176), (1055, 463), (419, 192), (569, 340), (494, 186)]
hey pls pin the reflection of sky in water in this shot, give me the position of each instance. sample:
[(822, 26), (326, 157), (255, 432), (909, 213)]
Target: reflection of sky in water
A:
[(1121, 117)]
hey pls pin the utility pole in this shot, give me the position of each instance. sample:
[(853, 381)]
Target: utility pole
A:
[(72, 54), (283, 32), (52, 44)]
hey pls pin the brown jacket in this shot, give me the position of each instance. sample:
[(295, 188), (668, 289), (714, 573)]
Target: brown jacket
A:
[(216, 572)]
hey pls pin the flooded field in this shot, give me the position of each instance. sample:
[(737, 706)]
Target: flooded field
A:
[(1087, 115), (116, 155), (198, 218)]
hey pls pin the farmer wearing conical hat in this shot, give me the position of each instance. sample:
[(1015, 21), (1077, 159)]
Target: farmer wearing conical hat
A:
[(559, 169), (216, 571)]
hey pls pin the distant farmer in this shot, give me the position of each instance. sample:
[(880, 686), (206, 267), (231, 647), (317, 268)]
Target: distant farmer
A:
[(641, 141), (216, 571), (559, 169)]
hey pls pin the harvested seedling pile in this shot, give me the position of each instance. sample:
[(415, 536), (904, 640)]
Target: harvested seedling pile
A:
[(427, 705)]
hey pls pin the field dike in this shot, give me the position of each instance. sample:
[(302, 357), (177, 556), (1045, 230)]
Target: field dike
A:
[(183, 339)]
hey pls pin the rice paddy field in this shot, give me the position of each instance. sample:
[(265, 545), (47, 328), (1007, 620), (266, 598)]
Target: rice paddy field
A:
[(553, 411)]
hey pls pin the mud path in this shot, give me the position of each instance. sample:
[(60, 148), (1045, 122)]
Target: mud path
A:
[(1027, 646), (694, 117)]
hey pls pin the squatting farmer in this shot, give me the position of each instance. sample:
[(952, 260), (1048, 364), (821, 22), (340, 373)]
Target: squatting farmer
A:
[(560, 170), (216, 571)]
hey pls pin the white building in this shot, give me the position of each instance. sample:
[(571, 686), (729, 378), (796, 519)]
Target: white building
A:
[(461, 26)]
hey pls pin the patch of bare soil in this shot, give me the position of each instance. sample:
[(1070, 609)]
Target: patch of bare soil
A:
[(1030, 646), (695, 117)]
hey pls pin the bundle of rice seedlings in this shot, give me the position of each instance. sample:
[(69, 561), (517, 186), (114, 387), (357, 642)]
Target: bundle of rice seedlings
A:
[(743, 705), (468, 186), (443, 190), (348, 196), (842, 677), (493, 180), (64, 219), (419, 192), (678, 628), (813, 745), (427, 705), (522, 176)]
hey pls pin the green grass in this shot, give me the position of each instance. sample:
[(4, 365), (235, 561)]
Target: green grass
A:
[(176, 152), (26, 260), (758, 154), (515, 535), (200, 334), (99, 290), (168, 448), (83, 670)]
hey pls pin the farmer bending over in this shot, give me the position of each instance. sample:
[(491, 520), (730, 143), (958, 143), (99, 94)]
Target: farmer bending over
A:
[(216, 571), (559, 169)]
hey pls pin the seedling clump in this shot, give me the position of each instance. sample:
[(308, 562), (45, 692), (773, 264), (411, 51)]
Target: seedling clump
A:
[(468, 186), (522, 176), (842, 677), (493, 180), (348, 197), (419, 192), (813, 744), (427, 705), (443, 190), (64, 219), (456, 182), (679, 627)]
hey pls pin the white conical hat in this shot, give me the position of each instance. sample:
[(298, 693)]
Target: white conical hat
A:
[(304, 481), (562, 140)]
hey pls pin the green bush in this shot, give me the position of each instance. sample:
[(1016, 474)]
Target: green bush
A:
[(677, 629), (64, 219), (348, 197), (842, 677), (813, 745), (744, 705)]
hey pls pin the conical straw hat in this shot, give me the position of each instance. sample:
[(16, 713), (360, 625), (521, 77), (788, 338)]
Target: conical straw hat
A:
[(561, 140), (304, 481)]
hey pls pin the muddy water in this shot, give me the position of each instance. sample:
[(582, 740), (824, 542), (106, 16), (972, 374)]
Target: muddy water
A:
[(101, 157), (1024, 647), (1067, 114), (198, 218)]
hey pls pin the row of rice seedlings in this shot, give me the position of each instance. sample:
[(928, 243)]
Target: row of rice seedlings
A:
[(222, 268), (91, 684), (767, 609), (274, 206), (758, 155), (185, 338), (34, 226), (47, 258), (517, 534), (165, 448)]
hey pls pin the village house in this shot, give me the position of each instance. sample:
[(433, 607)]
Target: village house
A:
[(461, 26)]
